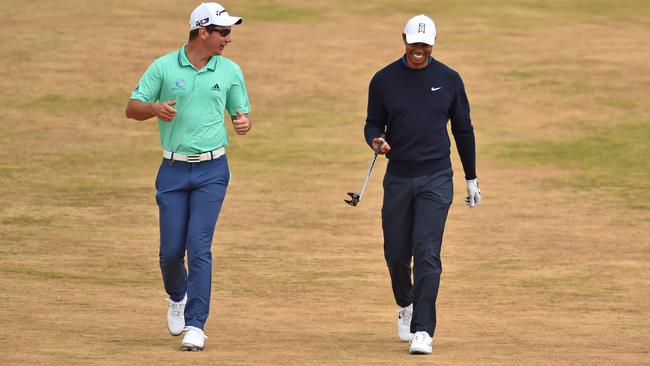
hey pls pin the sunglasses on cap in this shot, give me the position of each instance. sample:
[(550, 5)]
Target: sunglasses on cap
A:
[(223, 32)]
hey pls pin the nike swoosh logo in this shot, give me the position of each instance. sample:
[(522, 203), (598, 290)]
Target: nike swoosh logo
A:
[(434, 89)]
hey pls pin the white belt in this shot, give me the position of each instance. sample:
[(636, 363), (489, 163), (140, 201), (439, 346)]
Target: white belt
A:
[(194, 158)]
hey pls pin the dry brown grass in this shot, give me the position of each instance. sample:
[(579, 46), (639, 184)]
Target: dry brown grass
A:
[(542, 273)]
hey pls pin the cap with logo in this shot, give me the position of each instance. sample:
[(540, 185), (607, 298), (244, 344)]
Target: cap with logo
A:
[(211, 13), (420, 29)]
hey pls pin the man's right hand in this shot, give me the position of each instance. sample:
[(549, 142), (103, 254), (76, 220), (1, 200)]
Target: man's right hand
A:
[(384, 145), (164, 110)]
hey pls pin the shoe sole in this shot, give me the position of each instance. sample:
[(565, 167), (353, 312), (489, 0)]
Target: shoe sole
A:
[(192, 348), (420, 352)]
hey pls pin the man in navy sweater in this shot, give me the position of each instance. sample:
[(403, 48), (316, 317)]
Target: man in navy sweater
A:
[(410, 101)]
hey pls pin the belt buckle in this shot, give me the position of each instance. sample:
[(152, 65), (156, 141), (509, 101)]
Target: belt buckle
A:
[(194, 158)]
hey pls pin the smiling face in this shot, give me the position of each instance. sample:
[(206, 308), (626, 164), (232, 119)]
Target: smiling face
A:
[(216, 38), (417, 54)]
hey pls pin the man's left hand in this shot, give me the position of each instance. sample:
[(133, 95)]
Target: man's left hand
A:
[(473, 193), (241, 123)]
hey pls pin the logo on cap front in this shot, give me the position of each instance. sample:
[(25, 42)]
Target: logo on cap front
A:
[(421, 28), (219, 12)]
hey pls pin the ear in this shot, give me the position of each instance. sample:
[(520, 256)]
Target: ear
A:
[(203, 33)]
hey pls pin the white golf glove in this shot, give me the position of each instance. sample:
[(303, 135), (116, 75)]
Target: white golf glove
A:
[(473, 193)]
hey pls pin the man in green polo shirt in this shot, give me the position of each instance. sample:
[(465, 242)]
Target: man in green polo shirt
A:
[(189, 90)]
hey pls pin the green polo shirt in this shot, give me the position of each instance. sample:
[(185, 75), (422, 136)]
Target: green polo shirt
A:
[(201, 98)]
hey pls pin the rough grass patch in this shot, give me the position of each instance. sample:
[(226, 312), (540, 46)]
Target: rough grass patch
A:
[(614, 159)]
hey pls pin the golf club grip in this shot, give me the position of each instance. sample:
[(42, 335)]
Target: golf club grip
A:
[(378, 149)]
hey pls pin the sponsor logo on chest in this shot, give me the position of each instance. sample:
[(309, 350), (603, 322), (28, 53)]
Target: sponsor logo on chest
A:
[(179, 85)]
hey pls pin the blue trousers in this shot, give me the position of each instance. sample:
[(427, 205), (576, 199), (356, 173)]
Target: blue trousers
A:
[(189, 197), (414, 213)]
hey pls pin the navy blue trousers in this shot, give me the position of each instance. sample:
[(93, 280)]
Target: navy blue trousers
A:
[(189, 197), (413, 220)]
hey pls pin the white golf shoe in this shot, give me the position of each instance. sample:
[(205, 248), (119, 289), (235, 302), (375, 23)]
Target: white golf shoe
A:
[(404, 316), (194, 339), (421, 344), (176, 316)]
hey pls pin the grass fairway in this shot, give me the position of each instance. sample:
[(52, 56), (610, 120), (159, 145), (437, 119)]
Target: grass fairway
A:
[(552, 269)]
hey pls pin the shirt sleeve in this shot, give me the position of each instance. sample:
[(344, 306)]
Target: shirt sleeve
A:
[(463, 131), (150, 85), (237, 99), (377, 115)]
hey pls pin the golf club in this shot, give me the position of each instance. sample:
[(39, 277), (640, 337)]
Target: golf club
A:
[(356, 197)]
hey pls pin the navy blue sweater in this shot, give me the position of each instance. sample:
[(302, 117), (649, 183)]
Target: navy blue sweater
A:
[(413, 106)]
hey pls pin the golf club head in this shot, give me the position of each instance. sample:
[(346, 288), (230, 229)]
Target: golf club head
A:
[(354, 199)]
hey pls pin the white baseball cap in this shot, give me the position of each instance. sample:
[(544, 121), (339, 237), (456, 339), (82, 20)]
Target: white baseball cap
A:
[(211, 13), (420, 29)]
